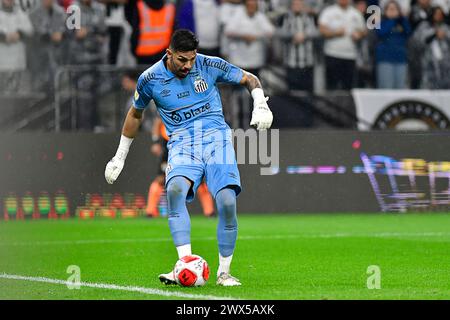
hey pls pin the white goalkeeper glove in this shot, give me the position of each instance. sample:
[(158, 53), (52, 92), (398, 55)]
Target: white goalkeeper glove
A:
[(115, 165), (261, 116)]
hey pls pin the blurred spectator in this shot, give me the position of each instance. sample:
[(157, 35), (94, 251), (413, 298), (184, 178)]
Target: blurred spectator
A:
[(405, 6), (342, 26), (445, 5), (420, 11), (129, 81), (65, 3), (15, 27), (298, 31), (152, 22), (228, 8), (434, 35), (314, 7), (86, 48), (203, 18), (48, 20), (184, 15), (391, 50), (115, 21), (248, 31), (87, 42), (365, 52)]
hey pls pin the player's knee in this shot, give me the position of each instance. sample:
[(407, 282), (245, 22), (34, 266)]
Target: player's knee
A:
[(177, 188), (229, 204), (226, 198)]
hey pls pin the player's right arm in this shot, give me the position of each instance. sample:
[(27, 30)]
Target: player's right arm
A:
[(130, 129)]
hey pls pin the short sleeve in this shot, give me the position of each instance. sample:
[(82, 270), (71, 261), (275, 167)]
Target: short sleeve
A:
[(324, 17), (142, 95), (266, 26), (223, 70), (362, 22)]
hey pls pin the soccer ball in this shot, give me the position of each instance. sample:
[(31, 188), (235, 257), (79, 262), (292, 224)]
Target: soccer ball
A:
[(191, 271)]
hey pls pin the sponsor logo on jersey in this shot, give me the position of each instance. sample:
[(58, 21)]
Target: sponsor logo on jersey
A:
[(218, 64), (183, 94), (195, 112), (136, 95), (175, 116), (149, 76), (165, 93), (200, 85)]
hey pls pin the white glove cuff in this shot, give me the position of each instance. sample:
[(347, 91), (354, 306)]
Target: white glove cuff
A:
[(124, 147), (258, 94)]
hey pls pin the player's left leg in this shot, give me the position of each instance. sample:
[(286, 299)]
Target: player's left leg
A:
[(227, 229), (223, 180)]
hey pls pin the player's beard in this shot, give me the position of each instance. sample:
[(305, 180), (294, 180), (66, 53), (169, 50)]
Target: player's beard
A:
[(182, 73), (179, 72)]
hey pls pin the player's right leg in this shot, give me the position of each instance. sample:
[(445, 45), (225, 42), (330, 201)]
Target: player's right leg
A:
[(184, 173), (179, 221)]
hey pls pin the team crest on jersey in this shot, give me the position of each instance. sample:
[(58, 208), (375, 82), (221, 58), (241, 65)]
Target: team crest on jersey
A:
[(200, 85)]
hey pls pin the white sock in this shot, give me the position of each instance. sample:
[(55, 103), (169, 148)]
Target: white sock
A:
[(184, 250), (224, 264)]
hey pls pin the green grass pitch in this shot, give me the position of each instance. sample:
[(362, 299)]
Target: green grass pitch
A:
[(278, 256)]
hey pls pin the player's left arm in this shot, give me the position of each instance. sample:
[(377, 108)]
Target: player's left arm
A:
[(261, 116)]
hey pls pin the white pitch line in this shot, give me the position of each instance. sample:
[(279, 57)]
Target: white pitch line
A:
[(149, 291), (264, 237)]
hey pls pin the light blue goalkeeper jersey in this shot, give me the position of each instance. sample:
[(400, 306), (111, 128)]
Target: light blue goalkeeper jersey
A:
[(194, 99)]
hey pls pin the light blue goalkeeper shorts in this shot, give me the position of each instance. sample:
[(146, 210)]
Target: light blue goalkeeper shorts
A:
[(216, 161)]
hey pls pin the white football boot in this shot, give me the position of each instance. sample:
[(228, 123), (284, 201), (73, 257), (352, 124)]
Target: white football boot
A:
[(227, 280), (167, 278)]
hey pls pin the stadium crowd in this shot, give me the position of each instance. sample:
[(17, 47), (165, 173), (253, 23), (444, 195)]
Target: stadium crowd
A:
[(407, 45)]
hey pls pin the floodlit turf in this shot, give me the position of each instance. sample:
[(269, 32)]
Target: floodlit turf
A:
[(277, 257)]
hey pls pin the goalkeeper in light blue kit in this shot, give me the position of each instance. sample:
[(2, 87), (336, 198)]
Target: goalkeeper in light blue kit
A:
[(183, 86)]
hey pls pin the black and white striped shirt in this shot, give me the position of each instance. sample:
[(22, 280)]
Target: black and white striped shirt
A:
[(297, 55)]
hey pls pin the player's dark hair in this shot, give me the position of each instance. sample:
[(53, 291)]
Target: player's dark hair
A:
[(183, 40)]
